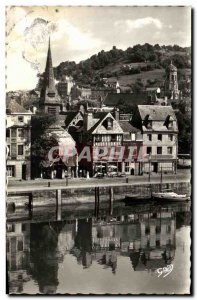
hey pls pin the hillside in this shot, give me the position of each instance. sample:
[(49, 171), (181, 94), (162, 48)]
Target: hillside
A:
[(145, 62)]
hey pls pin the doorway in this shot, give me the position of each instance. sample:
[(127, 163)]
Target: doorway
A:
[(24, 171), (155, 167)]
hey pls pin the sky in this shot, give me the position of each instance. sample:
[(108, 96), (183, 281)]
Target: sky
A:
[(79, 32)]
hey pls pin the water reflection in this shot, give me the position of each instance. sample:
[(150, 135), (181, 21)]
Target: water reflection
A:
[(36, 251)]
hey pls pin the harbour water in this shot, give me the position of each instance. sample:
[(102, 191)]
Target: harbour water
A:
[(130, 249)]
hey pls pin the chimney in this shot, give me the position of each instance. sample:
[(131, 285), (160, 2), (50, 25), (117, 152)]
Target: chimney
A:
[(117, 114), (88, 120)]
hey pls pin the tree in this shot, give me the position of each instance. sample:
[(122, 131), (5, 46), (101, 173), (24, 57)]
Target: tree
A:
[(138, 86), (184, 125)]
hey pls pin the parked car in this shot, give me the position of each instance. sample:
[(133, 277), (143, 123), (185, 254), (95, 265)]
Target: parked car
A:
[(121, 174), (112, 174)]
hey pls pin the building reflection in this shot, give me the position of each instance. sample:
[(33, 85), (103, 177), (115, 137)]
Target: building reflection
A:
[(36, 250), (18, 255), (148, 239)]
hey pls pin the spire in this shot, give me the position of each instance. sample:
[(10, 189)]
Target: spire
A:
[(49, 75)]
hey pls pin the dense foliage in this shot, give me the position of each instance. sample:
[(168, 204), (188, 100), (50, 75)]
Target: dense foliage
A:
[(136, 59)]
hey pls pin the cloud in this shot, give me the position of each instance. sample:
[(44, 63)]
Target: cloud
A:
[(74, 37), (140, 23)]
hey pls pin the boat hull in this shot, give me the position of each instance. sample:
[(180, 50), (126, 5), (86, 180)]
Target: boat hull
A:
[(165, 197)]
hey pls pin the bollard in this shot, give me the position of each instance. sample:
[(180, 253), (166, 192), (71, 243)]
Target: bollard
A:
[(127, 180), (49, 184)]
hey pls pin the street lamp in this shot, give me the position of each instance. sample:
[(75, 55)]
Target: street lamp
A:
[(149, 159)]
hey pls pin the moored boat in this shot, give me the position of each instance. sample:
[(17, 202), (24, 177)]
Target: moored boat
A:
[(171, 196)]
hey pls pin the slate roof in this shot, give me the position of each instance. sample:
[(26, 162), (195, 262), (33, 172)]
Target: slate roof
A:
[(98, 117), (156, 112), (97, 127), (127, 127), (14, 107), (113, 99), (59, 123)]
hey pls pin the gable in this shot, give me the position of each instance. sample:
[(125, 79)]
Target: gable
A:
[(101, 127)]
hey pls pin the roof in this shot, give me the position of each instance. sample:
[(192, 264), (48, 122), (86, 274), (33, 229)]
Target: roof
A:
[(152, 89), (14, 107), (95, 124), (113, 99), (58, 123), (156, 112), (127, 127), (70, 115), (98, 117)]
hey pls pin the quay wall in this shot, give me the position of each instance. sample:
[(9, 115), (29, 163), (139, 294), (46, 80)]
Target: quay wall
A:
[(87, 194)]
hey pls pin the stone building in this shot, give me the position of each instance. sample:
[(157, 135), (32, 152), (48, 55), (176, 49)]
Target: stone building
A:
[(50, 101), (160, 137), (171, 83), (64, 86), (18, 140), (121, 142)]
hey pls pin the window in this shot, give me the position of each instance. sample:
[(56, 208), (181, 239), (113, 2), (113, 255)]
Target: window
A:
[(23, 227), (127, 167), (20, 245), (149, 136), (133, 136), (98, 138), (52, 110), (8, 150), (168, 229), (10, 171), (149, 124), (113, 138), (147, 229), (170, 124), (159, 137), (159, 150), (169, 150), (7, 133), (148, 150), (20, 119), (170, 137), (109, 123), (20, 132), (20, 150), (10, 227), (158, 243), (158, 229)]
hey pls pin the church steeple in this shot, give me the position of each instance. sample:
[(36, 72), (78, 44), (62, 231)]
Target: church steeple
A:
[(49, 75), (49, 95)]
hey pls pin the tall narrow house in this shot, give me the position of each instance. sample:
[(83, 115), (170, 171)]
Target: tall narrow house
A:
[(50, 101)]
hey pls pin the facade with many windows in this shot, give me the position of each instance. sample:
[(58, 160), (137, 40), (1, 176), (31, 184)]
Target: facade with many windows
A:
[(18, 139), (160, 137)]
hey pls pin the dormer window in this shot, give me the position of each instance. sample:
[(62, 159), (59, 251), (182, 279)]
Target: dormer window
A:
[(170, 124), (149, 124), (109, 123)]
